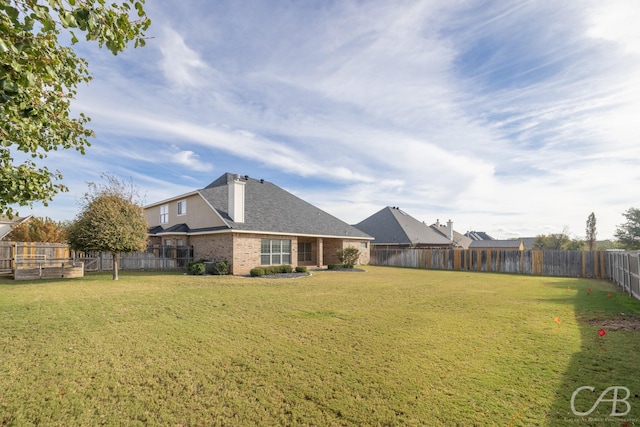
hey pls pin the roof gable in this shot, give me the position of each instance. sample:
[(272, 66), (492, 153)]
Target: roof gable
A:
[(393, 226), (6, 224)]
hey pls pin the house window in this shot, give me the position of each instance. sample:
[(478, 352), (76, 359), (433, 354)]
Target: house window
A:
[(182, 207), (363, 245), (275, 252), (179, 242), (164, 214), (304, 251), (168, 242)]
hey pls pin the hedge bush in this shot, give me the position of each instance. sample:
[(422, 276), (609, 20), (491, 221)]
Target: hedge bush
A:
[(221, 268), (257, 272), (301, 269), (286, 268), (197, 268), (270, 269)]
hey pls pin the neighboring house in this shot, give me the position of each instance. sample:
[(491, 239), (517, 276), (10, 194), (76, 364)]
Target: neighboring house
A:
[(392, 227), (478, 235), (459, 240), (516, 245), (6, 224), (528, 242), (249, 223)]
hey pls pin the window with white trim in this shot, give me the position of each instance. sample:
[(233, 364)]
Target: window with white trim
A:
[(164, 214), (275, 252), (182, 207)]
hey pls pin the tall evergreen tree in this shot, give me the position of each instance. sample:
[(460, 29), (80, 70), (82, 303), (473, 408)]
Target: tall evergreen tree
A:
[(591, 232)]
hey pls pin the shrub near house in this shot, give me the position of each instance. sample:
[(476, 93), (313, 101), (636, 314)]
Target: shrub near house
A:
[(348, 256)]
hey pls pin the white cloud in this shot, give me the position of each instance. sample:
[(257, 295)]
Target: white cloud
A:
[(189, 160), (617, 21), (182, 66)]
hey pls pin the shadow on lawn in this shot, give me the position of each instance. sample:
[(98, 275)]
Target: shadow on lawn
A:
[(609, 356)]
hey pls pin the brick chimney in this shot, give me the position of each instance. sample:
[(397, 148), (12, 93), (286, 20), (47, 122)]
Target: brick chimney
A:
[(236, 199)]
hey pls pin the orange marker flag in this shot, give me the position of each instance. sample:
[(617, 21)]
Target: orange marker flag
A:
[(609, 295), (557, 319)]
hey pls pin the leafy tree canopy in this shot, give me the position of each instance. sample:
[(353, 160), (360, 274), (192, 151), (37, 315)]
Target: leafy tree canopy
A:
[(111, 220), (628, 234), (38, 229), (558, 241), (38, 80)]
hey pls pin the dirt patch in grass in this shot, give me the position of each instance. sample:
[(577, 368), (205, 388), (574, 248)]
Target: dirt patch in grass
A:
[(622, 323)]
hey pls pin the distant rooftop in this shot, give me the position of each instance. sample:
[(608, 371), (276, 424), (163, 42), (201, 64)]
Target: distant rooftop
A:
[(478, 235)]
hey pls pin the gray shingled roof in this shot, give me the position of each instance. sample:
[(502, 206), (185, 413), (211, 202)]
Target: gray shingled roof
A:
[(392, 226), (506, 244), (459, 239), (269, 208), (478, 235)]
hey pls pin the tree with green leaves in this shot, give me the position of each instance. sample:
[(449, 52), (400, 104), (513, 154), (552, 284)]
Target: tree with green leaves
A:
[(111, 220), (628, 234), (39, 78), (591, 232), (558, 241), (38, 229), (553, 241)]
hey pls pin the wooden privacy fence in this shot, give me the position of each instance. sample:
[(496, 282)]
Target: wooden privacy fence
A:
[(155, 258), (39, 259), (623, 268), (34, 260), (536, 262), (31, 254)]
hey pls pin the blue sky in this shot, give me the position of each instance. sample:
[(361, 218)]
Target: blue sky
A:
[(514, 118)]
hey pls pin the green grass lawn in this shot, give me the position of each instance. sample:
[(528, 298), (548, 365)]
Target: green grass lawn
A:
[(385, 347)]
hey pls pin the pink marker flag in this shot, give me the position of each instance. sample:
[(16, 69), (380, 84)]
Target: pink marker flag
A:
[(602, 332)]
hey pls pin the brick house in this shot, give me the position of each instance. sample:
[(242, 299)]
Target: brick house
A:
[(249, 223)]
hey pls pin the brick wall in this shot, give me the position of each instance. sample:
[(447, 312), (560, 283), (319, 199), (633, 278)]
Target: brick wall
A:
[(365, 254), (331, 247), (212, 247), (246, 251), (242, 251)]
